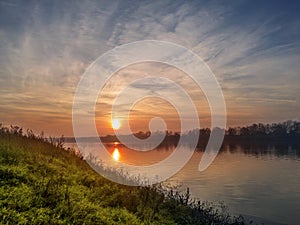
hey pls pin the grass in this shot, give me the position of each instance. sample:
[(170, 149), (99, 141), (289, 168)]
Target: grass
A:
[(43, 183)]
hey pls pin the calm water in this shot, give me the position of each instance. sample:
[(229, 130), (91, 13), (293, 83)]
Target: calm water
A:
[(258, 181)]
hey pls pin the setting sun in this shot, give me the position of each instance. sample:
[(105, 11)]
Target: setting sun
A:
[(115, 123)]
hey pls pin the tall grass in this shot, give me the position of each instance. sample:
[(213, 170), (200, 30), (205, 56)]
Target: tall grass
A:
[(43, 183)]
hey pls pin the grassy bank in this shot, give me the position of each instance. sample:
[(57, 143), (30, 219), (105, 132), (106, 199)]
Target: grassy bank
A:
[(42, 183)]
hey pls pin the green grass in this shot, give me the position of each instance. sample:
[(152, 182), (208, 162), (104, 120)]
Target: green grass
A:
[(42, 183)]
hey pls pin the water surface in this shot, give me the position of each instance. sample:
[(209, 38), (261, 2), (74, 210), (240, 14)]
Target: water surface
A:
[(258, 181)]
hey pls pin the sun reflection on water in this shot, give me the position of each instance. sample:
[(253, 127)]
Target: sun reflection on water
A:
[(116, 154)]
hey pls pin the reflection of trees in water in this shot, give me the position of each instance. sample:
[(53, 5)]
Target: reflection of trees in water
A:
[(279, 139), (249, 147), (263, 149)]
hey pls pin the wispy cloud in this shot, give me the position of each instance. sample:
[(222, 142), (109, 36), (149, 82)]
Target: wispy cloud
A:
[(252, 48)]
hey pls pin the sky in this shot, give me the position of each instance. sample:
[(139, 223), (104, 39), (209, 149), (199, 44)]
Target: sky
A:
[(252, 47)]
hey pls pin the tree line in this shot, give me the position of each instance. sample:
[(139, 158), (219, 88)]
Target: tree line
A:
[(283, 129)]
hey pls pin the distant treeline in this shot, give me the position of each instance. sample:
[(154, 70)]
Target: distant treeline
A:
[(284, 131), (278, 132)]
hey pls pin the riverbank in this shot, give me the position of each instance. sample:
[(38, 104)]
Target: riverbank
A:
[(43, 183)]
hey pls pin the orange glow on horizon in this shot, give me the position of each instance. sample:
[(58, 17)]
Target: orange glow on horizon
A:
[(148, 107)]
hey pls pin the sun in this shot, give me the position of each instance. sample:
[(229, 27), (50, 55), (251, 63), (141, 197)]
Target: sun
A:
[(116, 124)]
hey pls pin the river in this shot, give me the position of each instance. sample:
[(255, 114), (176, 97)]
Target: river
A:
[(257, 181)]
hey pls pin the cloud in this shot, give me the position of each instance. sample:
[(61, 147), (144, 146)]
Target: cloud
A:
[(252, 48)]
